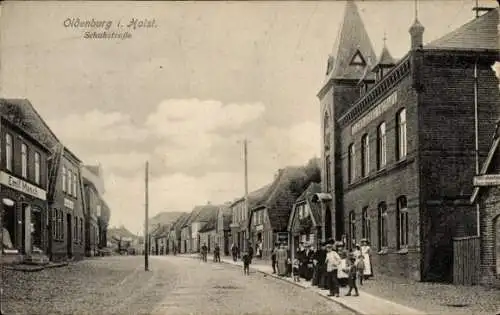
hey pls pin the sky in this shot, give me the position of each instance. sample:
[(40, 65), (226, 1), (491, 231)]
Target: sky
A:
[(184, 93)]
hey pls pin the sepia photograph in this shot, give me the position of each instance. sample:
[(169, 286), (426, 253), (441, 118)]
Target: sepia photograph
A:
[(250, 157)]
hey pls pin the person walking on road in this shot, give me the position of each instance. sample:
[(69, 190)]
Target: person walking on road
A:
[(234, 252), (332, 265), (273, 257), (246, 263), (204, 252), (217, 253)]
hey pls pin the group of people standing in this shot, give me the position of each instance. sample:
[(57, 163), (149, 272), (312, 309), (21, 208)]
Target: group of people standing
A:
[(328, 267), (204, 252)]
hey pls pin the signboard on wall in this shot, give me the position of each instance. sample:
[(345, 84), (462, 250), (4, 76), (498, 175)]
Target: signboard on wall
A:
[(487, 180), (282, 237), (22, 186)]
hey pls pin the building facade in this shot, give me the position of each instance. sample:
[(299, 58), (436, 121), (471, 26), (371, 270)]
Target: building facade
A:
[(23, 190), (93, 189), (67, 219), (385, 128), (305, 219), (223, 230)]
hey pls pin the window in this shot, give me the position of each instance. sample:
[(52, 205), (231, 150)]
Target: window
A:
[(37, 168), (401, 148), (70, 182), (328, 168), (365, 224), (326, 131), (382, 225), (75, 185), (8, 152), (24, 160), (64, 178), (365, 155), (54, 224), (402, 221), (351, 163), (75, 229), (381, 146), (352, 228), (61, 223), (81, 231)]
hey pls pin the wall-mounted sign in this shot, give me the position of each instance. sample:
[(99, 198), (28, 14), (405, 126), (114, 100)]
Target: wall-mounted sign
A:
[(69, 204), (383, 106), (22, 186), (487, 180), (259, 227)]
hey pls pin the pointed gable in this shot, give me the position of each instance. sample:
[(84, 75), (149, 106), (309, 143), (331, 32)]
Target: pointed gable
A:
[(353, 49), (479, 34)]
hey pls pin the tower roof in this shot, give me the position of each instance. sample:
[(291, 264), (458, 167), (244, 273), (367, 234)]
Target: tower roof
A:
[(352, 49), (385, 58)]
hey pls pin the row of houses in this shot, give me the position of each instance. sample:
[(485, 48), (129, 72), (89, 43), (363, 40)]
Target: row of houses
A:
[(52, 204), (409, 161), (265, 223)]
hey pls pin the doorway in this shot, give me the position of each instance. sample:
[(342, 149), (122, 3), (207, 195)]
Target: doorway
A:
[(328, 221), (9, 224), (36, 228), (69, 230)]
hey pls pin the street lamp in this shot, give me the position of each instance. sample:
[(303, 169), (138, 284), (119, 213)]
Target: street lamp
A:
[(9, 203)]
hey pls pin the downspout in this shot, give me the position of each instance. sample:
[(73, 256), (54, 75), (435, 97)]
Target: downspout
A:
[(476, 133)]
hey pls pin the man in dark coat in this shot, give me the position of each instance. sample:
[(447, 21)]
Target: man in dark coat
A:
[(301, 257), (309, 255), (250, 251), (321, 258)]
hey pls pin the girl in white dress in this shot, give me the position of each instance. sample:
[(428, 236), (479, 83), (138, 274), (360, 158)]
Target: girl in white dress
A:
[(366, 252)]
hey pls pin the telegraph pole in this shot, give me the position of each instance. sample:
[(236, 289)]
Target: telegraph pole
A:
[(247, 210), (146, 232)]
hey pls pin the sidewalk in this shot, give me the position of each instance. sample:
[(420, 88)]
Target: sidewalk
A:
[(364, 304)]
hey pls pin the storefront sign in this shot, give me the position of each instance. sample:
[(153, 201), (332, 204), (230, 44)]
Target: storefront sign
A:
[(283, 237), (375, 113), (69, 204), (22, 186), (487, 180), (259, 227)]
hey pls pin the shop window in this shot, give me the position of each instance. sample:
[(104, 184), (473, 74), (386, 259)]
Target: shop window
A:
[(401, 141), (382, 226), (24, 160), (8, 152), (54, 224), (402, 222), (381, 146), (352, 163), (37, 168)]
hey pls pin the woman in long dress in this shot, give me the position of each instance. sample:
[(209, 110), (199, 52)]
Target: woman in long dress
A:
[(366, 251), (281, 257)]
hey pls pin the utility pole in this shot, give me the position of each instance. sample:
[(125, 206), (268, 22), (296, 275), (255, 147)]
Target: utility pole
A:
[(146, 232), (247, 210)]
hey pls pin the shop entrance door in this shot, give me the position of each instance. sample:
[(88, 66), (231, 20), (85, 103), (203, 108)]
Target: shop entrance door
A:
[(36, 228), (9, 225)]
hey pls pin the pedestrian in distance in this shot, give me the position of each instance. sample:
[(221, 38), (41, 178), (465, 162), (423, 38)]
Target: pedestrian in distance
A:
[(296, 270), (274, 260), (246, 263), (352, 271), (234, 252), (217, 253), (204, 252)]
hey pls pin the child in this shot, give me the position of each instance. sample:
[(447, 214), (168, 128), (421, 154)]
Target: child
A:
[(246, 263), (352, 271), (360, 265), (295, 270)]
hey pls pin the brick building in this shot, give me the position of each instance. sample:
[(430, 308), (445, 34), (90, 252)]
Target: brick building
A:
[(395, 169), (23, 183), (67, 219), (487, 196), (93, 189)]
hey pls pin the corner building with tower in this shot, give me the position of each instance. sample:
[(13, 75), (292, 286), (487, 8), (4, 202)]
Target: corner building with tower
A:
[(398, 143)]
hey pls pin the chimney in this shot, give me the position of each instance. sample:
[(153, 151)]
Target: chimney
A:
[(417, 35)]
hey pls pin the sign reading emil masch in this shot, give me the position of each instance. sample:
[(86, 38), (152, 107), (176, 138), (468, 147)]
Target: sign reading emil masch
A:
[(22, 186)]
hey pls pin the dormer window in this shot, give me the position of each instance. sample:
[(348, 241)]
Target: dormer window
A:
[(358, 59)]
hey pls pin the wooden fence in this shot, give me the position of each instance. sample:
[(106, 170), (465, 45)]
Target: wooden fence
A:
[(466, 260)]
